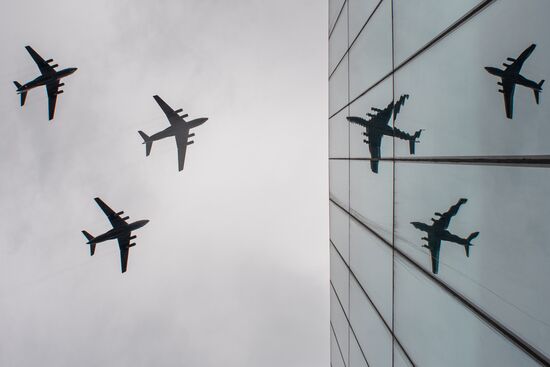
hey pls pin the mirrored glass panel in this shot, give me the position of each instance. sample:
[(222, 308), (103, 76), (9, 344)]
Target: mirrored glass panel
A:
[(360, 11), (337, 356), (369, 328), (339, 277), (435, 330), (338, 88), (454, 91), (338, 44), (339, 323), (334, 8), (339, 182), (418, 22), (339, 229), (371, 195), (357, 356), (484, 231), (370, 121), (372, 263), (339, 135), (370, 56)]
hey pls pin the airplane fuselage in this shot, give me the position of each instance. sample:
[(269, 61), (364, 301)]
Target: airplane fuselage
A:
[(46, 79), (433, 232), (122, 231), (177, 129), (510, 76)]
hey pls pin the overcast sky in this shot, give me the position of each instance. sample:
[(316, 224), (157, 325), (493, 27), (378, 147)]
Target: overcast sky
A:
[(232, 269)]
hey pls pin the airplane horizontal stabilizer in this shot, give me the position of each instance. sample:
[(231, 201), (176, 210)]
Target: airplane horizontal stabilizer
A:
[(468, 243), (89, 237), (148, 143), (413, 141), (22, 93), (537, 91)]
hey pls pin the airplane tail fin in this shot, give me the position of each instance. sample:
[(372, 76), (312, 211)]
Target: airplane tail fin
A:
[(89, 237), (148, 143), (468, 243), (414, 140), (22, 93), (537, 91)]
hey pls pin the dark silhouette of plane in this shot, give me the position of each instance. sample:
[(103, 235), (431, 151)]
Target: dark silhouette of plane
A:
[(50, 78), (122, 231), (510, 76), (378, 125), (437, 232), (179, 128)]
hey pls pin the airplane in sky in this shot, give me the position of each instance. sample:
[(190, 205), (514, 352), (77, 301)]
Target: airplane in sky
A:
[(510, 76), (122, 231), (179, 128), (437, 232), (49, 78), (378, 125)]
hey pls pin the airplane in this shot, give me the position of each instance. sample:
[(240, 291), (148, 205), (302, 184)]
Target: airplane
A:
[(437, 232), (510, 76), (122, 231), (179, 128), (377, 126), (49, 78)]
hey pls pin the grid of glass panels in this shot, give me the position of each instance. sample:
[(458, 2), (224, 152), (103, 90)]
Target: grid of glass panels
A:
[(439, 158)]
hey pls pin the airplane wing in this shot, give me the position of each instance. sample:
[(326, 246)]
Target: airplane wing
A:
[(518, 63), (375, 140), (445, 218), (508, 90), (124, 246), (52, 90), (114, 218), (399, 103), (172, 115), (358, 121), (181, 143), (435, 247), (44, 67)]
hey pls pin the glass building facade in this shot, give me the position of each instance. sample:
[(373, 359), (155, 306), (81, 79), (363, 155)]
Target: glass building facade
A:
[(439, 182)]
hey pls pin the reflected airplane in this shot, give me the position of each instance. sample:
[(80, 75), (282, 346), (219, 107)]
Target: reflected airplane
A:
[(122, 231), (179, 128), (437, 232), (378, 125), (49, 78), (510, 76)]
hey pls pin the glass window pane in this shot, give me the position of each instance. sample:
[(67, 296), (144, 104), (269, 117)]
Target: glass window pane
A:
[(339, 135), (359, 12), (438, 331), (379, 98), (339, 229), (506, 272), (370, 56), (339, 181), (373, 336), (457, 101), (338, 44), (372, 264), (339, 323), (418, 22), (371, 196), (338, 88)]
